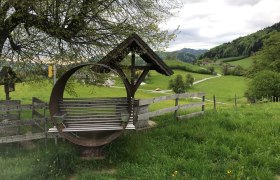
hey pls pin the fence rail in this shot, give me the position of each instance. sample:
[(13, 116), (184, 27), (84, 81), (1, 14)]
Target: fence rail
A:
[(176, 97), (10, 115)]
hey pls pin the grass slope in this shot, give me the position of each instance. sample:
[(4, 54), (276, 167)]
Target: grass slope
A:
[(245, 63), (159, 81), (228, 144), (224, 88)]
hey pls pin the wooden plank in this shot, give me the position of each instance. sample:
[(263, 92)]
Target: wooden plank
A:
[(157, 113), (92, 103), (95, 101), (90, 121), (9, 116), (171, 97), (93, 119), (96, 98), (189, 95), (188, 116), (77, 106), (93, 126), (80, 113), (38, 101), (92, 115), (26, 137), (9, 102), (100, 111), (15, 123), (16, 108), (37, 114), (91, 129)]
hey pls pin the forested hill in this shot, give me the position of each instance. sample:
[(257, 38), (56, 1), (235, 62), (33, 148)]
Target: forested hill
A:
[(242, 46), (185, 54)]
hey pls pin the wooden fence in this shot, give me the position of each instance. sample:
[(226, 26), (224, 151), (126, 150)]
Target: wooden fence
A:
[(144, 114), (11, 118)]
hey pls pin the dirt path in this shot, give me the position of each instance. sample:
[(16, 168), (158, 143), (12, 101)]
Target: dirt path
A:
[(205, 79)]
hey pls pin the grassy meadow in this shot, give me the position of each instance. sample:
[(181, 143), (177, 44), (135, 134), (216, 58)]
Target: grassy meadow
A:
[(242, 143), (228, 144), (245, 63)]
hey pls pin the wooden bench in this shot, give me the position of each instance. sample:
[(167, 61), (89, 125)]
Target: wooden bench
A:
[(93, 114)]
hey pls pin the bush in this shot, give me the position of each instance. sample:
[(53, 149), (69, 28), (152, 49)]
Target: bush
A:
[(177, 85), (264, 84), (189, 80)]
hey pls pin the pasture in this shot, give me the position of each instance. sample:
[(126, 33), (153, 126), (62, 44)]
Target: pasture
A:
[(227, 144)]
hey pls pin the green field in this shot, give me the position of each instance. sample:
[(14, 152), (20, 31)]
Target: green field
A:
[(180, 63), (228, 144), (160, 81), (245, 63), (224, 88)]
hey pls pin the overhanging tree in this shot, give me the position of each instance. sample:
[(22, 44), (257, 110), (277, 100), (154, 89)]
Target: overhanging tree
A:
[(39, 30)]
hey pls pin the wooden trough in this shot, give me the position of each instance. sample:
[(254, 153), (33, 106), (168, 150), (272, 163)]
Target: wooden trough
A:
[(94, 122)]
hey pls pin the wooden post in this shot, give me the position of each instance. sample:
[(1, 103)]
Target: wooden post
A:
[(45, 126), (203, 106), (176, 111), (32, 115), (271, 98), (214, 100), (7, 92)]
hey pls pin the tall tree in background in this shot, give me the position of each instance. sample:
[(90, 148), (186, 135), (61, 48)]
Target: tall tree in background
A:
[(265, 71), (36, 30), (269, 57)]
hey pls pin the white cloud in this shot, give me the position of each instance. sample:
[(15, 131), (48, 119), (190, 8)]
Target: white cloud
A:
[(208, 23)]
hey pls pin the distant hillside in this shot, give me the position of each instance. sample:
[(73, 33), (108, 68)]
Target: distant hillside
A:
[(185, 54), (242, 46)]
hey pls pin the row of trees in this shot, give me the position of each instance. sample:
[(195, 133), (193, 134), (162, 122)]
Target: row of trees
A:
[(243, 46)]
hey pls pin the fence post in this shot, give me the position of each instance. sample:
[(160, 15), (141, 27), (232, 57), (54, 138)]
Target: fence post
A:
[(271, 98), (203, 100), (176, 104), (214, 100)]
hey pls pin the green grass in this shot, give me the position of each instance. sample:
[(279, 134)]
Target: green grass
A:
[(42, 90), (159, 81), (245, 63), (231, 59), (224, 88), (228, 144)]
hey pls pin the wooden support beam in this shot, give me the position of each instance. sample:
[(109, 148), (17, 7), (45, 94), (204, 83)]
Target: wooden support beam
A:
[(141, 78)]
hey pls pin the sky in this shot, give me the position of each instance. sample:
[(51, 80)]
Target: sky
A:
[(204, 24)]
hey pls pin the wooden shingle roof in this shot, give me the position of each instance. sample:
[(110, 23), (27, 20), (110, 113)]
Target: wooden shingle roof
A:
[(135, 43)]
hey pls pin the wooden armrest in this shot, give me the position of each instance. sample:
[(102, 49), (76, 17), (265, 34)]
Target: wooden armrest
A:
[(59, 117), (124, 116)]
